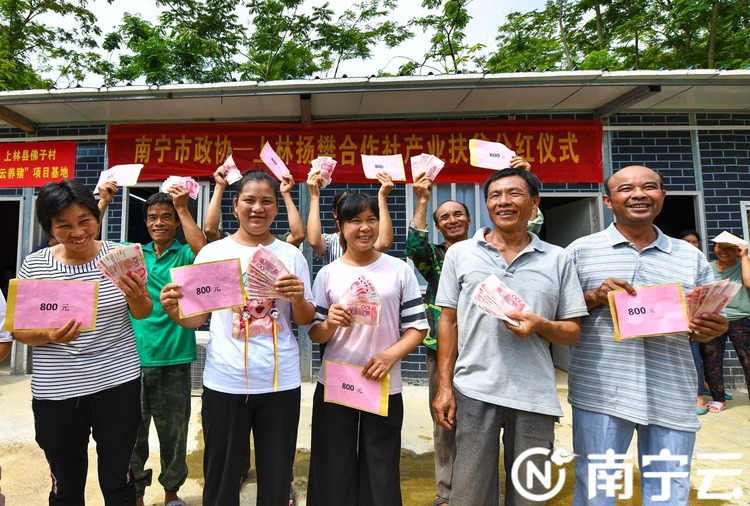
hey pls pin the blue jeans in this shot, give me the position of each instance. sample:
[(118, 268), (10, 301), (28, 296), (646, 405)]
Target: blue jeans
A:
[(596, 433), (695, 347)]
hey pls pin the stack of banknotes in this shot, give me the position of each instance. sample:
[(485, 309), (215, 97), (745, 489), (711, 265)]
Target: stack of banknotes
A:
[(493, 297), (262, 274), (122, 262), (363, 302)]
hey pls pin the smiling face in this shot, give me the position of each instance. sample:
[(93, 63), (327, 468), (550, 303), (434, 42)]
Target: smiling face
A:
[(510, 204), (452, 221), (361, 232), (256, 207), (76, 228), (636, 196), (727, 255), (162, 223)]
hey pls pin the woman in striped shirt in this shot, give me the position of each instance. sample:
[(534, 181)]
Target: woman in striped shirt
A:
[(84, 381)]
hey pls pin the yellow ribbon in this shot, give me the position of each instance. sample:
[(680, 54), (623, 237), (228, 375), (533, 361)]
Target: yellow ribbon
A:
[(274, 313), (247, 350)]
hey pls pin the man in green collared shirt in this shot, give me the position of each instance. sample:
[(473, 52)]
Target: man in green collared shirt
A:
[(166, 349)]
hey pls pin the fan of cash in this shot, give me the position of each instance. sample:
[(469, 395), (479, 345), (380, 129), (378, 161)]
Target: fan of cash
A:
[(324, 165), (363, 302), (122, 261), (711, 298), (192, 187), (233, 173), (262, 273), (493, 297), (429, 164)]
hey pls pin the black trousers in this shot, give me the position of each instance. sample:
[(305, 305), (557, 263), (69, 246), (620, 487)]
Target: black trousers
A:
[(355, 455), (227, 422), (112, 416)]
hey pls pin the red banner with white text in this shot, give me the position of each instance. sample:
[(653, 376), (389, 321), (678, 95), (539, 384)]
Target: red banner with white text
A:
[(33, 164), (560, 151)]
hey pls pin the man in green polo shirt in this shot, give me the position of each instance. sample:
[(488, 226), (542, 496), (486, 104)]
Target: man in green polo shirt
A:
[(166, 349)]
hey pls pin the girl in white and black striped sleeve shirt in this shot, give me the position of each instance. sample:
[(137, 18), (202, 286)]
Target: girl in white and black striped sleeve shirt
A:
[(355, 454)]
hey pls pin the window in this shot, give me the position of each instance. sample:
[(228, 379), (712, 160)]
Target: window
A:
[(133, 222), (745, 211)]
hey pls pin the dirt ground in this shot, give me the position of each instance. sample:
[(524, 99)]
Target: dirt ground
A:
[(25, 474)]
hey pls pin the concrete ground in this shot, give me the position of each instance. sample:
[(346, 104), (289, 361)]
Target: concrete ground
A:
[(25, 475)]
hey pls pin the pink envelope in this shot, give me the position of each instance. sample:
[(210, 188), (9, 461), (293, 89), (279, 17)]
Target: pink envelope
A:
[(652, 311), (273, 162), (345, 385), (392, 164), (490, 155), (209, 287), (47, 304)]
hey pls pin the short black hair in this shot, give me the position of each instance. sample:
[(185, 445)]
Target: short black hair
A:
[(609, 192), (156, 199), (349, 206), (687, 232), (258, 176), (532, 182), (54, 198), (435, 216), (337, 198)]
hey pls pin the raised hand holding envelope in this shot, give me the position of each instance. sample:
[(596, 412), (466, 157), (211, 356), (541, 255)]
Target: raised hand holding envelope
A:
[(121, 175), (393, 165), (652, 311), (274, 163), (45, 304), (490, 155), (209, 286)]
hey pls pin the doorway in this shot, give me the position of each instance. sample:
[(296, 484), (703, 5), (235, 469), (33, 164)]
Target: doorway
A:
[(10, 228)]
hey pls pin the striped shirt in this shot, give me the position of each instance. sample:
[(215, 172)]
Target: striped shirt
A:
[(401, 309), (646, 381), (99, 359), (333, 248)]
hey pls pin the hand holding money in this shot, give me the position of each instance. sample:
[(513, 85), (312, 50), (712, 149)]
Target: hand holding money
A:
[(220, 177), (132, 287), (528, 323), (179, 196), (339, 316), (291, 287)]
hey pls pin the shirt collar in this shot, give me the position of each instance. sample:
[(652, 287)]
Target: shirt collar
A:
[(535, 244), (175, 246), (662, 242)]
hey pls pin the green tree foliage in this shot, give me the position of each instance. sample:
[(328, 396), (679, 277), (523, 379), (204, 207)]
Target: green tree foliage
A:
[(49, 42), (32, 46), (354, 34), (280, 46), (194, 41), (448, 48), (625, 34)]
